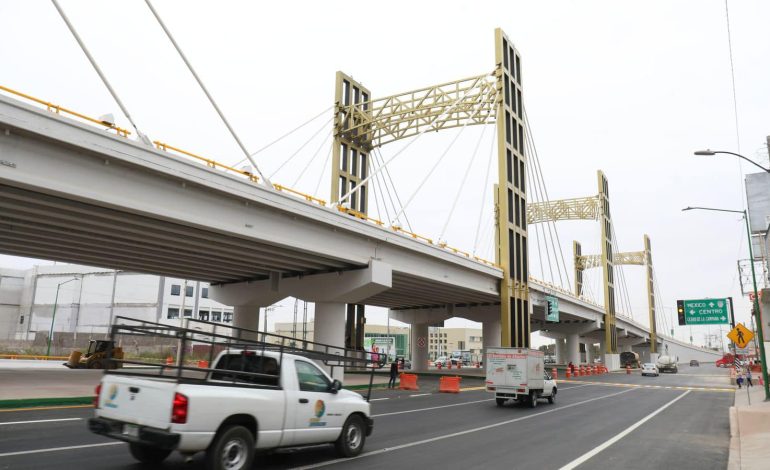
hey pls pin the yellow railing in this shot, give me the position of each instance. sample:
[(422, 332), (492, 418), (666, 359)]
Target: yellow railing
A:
[(59, 109), (210, 163), (215, 164)]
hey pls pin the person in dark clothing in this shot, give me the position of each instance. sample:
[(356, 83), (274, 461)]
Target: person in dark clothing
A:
[(393, 374), (748, 377)]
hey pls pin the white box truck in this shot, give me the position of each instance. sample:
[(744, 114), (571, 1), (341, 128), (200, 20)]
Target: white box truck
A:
[(518, 374)]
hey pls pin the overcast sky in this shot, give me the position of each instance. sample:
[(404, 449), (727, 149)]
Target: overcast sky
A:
[(631, 88)]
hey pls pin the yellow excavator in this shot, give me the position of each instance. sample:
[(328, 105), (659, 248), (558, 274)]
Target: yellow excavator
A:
[(96, 356)]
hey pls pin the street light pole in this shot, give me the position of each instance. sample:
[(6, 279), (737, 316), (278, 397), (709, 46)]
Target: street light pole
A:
[(758, 313), (754, 281), (53, 316)]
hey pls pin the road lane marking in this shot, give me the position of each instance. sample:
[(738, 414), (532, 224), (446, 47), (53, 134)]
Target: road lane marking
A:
[(457, 434), (41, 421), (658, 387), (419, 395), (431, 408), (56, 449), (37, 408), (379, 399), (585, 457)]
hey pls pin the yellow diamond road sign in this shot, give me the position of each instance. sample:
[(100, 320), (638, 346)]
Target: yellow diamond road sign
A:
[(740, 335)]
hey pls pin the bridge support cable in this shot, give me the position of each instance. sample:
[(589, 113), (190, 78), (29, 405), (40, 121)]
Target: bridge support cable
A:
[(553, 230), (301, 147), (380, 190), (265, 181), (484, 189), (462, 184), (386, 177), (99, 72), (267, 146), (312, 159), (540, 235), (323, 171)]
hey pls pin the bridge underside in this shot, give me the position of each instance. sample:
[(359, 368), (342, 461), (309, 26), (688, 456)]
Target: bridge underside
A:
[(39, 225)]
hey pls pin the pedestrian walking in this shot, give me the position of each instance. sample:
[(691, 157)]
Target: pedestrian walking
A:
[(739, 379), (393, 374), (748, 377)]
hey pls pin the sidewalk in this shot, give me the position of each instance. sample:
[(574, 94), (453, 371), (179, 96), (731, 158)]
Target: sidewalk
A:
[(750, 430)]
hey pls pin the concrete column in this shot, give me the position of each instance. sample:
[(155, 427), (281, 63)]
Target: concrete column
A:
[(624, 348), (419, 346), (573, 348), (330, 329), (561, 351), (491, 333), (590, 353), (246, 316)]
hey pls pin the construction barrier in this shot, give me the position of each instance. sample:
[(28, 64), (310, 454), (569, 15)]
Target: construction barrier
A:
[(203, 364), (555, 373), (569, 374), (438, 365), (596, 370), (169, 361), (408, 381), (449, 384)]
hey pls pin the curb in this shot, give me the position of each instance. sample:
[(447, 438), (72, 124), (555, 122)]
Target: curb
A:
[(734, 456), (364, 386), (39, 402)]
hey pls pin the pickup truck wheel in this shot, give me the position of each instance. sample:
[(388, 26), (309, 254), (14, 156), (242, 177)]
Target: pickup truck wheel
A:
[(533, 399), (147, 454), (552, 398), (351, 441), (232, 449), (500, 401)]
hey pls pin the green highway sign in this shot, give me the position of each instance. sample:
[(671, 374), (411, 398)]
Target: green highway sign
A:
[(704, 311)]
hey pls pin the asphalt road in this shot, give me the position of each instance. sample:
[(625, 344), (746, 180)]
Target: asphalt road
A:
[(611, 421)]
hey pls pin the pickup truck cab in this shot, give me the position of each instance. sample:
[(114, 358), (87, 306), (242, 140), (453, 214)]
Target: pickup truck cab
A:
[(249, 400)]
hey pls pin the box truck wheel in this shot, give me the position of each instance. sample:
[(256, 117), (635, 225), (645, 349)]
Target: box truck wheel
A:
[(532, 399), (552, 398)]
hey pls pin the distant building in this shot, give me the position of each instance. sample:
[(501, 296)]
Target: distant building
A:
[(90, 298), (400, 334), (442, 341)]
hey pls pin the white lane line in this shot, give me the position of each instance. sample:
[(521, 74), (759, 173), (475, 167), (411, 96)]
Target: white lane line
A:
[(379, 399), (583, 458), (40, 421), (56, 449), (432, 408), (419, 395), (454, 404), (459, 433)]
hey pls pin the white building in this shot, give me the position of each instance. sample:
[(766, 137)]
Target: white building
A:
[(87, 299)]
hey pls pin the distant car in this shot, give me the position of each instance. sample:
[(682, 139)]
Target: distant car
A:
[(441, 361), (406, 362), (650, 369), (694, 363), (550, 359)]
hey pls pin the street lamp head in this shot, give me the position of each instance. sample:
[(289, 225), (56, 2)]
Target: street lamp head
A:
[(707, 152), (688, 208)]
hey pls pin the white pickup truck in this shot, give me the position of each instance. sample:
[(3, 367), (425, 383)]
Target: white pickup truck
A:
[(248, 400), (518, 374)]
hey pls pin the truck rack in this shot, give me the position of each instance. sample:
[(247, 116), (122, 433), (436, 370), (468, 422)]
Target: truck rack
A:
[(213, 338)]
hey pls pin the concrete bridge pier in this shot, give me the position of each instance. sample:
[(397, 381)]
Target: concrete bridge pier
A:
[(330, 329), (420, 320), (573, 348), (561, 351), (590, 353)]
